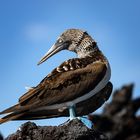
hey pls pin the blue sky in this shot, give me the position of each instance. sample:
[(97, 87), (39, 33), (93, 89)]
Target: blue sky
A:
[(28, 28)]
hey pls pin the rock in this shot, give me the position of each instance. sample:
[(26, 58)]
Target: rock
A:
[(118, 119), (73, 130)]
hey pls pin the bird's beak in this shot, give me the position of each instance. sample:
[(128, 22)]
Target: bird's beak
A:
[(53, 50)]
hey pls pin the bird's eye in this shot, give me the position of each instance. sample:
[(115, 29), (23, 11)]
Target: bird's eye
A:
[(60, 41)]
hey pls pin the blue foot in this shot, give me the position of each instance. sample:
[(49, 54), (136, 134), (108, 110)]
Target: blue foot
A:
[(86, 121)]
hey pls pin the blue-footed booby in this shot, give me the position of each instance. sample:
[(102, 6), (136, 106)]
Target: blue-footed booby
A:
[(77, 87)]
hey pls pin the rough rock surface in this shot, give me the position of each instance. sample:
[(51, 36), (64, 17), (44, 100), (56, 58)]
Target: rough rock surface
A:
[(74, 130)]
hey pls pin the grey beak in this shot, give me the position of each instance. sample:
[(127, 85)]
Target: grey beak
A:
[(53, 50)]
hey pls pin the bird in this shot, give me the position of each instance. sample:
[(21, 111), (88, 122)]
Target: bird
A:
[(76, 87)]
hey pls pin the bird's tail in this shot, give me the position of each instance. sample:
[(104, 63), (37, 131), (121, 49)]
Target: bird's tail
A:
[(13, 113), (10, 109), (11, 116)]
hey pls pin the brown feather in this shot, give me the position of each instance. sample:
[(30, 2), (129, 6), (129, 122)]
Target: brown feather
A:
[(12, 116), (10, 109)]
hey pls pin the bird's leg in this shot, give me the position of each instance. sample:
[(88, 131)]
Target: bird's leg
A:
[(72, 112), (85, 121)]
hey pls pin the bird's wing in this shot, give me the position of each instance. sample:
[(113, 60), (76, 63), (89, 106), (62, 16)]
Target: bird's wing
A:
[(70, 80), (65, 84)]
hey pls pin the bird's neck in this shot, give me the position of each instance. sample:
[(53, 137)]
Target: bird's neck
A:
[(94, 54), (82, 53)]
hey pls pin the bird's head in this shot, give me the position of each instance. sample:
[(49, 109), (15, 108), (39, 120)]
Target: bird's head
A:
[(74, 40)]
